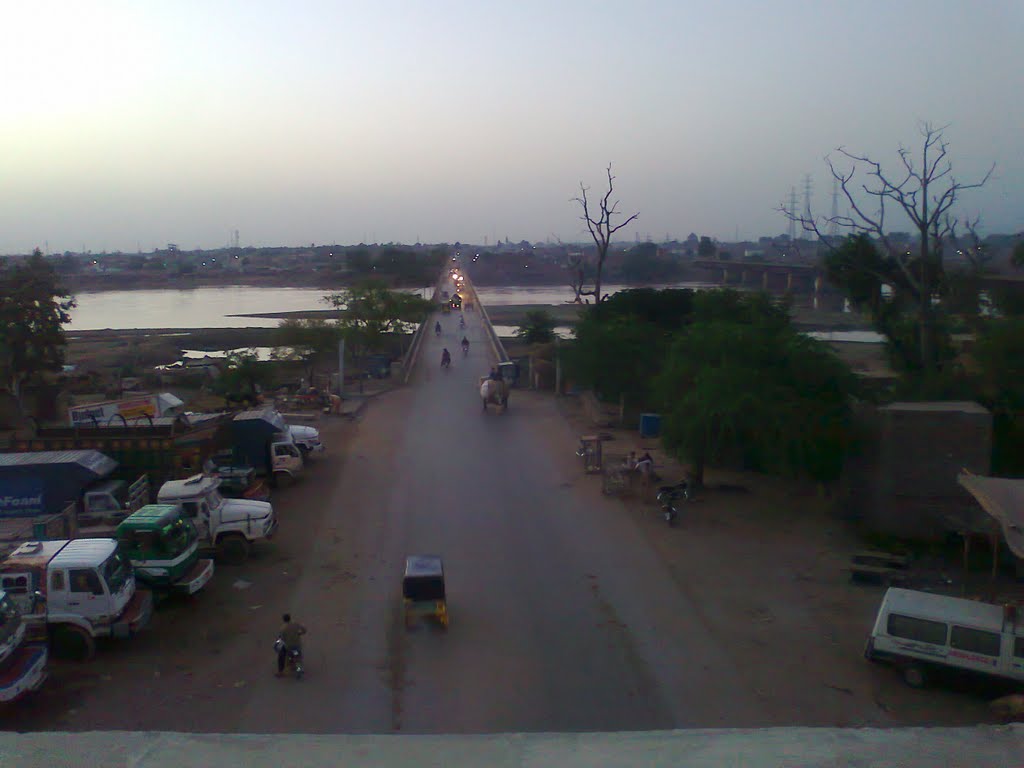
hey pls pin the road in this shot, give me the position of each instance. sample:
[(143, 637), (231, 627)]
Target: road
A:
[(563, 619)]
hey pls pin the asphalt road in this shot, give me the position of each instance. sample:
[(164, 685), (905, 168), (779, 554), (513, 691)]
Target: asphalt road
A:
[(562, 617)]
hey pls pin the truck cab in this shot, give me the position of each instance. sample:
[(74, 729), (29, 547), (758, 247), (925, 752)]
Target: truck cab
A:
[(306, 439), (111, 501), (22, 660), (80, 589), (227, 526), (163, 548)]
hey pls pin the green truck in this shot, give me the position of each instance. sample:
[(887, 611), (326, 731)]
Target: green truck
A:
[(163, 547)]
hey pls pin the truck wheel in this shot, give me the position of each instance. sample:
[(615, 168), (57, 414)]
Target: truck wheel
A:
[(233, 549), (71, 642)]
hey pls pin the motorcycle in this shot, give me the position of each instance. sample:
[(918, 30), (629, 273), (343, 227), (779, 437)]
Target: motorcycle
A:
[(465, 350), (671, 496), (293, 658)]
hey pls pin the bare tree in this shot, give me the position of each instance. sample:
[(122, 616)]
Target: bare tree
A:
[(602, 230), (924, 190)]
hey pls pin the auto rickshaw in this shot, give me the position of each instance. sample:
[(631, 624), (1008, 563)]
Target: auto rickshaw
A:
[(423, 590)]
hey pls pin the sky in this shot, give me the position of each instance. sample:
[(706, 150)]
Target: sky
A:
[(131, 125)]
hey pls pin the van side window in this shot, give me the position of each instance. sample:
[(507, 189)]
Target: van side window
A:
[(1018, 647), (57, 581), (922, 630), (974, 640)]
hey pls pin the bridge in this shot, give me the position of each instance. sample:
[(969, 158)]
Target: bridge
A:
[(768, 276)]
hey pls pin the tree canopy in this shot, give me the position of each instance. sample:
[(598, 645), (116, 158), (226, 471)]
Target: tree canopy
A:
[(33, 311), (371, 311), (538, 327), (756, 393)]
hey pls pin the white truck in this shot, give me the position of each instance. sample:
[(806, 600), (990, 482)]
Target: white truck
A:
[(22, 660), (79, 589), (306, 438), (229, 527)]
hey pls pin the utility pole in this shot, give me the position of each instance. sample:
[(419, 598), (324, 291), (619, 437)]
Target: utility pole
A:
[(792, 207)]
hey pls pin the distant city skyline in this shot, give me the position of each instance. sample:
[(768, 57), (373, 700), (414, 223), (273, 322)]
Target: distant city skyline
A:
[(317, 122)]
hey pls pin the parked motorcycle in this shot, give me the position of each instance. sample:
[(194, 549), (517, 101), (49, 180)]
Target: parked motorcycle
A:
[(292, 660), (671, 497)]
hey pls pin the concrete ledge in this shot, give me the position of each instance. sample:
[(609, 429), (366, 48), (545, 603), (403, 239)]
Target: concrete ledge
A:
[(980, 747)]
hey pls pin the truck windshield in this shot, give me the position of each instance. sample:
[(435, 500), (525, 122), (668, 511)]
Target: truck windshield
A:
[(116, 572), (10, 618), (178, 537)]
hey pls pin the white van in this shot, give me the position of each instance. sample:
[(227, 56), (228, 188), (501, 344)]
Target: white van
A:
[(920, 632)]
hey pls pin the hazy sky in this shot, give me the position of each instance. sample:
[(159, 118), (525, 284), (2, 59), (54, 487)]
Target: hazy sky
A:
[(134, 124)]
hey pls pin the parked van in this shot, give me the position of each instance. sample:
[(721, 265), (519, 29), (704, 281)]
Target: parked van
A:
[(921, 632)]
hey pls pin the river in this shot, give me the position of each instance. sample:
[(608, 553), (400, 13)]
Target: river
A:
[(220, 307), (228, 307)]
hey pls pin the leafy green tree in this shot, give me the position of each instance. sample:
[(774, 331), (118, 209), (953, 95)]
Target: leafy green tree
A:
[(706, 249), (311, 341), (617, 357), (33, 311), (1017, 257), (764, 395), (668, 308), (242, 377), (371, 312), (538, 327)]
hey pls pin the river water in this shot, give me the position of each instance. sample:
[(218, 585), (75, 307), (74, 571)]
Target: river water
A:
[(217, 307), (226, 307)]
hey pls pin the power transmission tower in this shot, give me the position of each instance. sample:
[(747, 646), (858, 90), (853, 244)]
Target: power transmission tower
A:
[(833, 224), (807, 197), (792, 207)]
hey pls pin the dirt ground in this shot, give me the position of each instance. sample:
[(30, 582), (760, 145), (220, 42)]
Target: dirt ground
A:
[(766, 559), (763, 560)]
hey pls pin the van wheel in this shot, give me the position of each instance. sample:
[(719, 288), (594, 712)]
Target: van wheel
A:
[(72, 643), (914, 676), (233, 549)]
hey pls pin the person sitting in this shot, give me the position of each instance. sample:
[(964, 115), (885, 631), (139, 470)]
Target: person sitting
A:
[(495, 375), (446, 358)]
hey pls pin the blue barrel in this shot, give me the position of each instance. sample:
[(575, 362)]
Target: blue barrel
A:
[(650, 424)]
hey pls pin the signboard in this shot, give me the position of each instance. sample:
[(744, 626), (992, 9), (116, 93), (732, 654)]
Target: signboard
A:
[(112, 411), (21, 496)]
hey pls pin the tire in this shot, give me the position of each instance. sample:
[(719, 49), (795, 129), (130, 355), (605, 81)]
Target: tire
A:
[(914, 676), (283, 479), (72, 642), (233, 549)]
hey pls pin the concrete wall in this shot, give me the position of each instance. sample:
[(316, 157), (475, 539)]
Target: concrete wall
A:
[(903, 480), (980, 747)]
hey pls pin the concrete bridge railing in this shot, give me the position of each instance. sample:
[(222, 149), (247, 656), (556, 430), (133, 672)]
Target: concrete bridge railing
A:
[(411, 354), (496, 346)]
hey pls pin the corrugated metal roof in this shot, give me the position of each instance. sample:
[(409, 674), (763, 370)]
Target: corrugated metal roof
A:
[(151, 514), (93, 461), (84, 552)]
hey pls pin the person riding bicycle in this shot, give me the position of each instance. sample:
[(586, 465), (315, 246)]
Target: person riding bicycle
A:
[(291, 639), (437, 327), (446, 358)]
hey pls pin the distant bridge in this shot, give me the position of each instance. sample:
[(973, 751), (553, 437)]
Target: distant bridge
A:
[(767, 275)]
